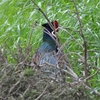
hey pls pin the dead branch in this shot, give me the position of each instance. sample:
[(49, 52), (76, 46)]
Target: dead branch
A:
[(42, 93), (26, 91), (92, 90), (72, 38), (22, 63), (84, 40), (87, 78), (56, 40), (12, 88)]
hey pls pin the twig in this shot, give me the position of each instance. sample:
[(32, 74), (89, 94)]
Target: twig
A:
[(47, 32), (71, 36), (1, 98), (1, 80), (42, 93), (28, 52), (56, 40), (82, 82), (21, 62), (84, 40), (13, 87), (30, 36), (26, 91), (71, 73), (87, 78), (93, 91), (42, 13), (62, 92)]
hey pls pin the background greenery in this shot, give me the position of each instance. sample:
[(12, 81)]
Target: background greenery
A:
[(21, 18)]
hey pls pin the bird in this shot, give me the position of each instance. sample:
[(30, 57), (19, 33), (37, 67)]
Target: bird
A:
[(48, 58)]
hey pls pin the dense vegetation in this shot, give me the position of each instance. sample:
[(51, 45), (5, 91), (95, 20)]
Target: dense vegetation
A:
[(21, 35)]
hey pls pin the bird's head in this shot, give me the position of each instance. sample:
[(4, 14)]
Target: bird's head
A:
[(49, 31), (50, 28)]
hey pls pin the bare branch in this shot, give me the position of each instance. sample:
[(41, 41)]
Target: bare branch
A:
[(56, 40), (92, 90), (42, 93), (13, 87), (87, 78), (71, 36), (84, 40)]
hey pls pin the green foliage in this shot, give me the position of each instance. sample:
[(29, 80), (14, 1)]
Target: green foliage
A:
[(18, 20), (32, 94), (28, 72)]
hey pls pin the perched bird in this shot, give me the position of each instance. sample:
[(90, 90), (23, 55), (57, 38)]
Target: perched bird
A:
[(48, 57)]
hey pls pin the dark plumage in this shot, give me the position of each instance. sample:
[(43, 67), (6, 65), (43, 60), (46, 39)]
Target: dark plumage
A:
[(47, 57), (49, 36)]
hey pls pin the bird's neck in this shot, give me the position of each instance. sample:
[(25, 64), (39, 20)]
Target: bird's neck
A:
[(48, 39)]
